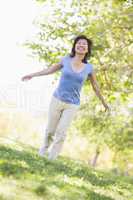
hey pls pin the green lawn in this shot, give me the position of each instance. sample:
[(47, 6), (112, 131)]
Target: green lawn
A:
[(26, 176)]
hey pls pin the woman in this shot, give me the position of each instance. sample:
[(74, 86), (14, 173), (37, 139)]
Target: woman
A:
[(66, 98)]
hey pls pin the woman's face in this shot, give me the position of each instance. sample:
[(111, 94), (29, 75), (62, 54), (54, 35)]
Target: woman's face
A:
[(81, 46)]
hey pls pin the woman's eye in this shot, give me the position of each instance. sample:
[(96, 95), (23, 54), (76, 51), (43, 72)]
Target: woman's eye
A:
[(81, 44)]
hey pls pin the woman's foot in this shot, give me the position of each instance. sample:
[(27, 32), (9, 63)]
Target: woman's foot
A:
[(42, 151)]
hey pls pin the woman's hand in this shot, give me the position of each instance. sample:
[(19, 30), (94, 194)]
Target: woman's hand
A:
[(46, 71), (27, 77), (107, 108)]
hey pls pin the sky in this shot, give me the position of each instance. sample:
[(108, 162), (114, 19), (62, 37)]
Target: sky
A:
[(16, 25)]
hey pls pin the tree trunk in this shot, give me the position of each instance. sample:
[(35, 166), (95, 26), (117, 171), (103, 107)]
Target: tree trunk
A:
[(94, 160)]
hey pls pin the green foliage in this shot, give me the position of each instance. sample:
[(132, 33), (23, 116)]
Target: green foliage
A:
[(109, 24), (23, 175), (113, 129)]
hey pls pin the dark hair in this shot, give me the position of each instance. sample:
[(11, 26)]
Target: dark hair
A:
[(89, 42)]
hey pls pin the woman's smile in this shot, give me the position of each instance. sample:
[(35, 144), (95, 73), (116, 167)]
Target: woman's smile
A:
[(81, 46)]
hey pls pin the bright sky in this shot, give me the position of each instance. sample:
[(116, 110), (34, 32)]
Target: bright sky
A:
[(16, 18), (16, 24)]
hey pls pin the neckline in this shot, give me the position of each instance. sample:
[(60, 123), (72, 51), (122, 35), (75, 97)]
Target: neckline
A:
[(72, 68)]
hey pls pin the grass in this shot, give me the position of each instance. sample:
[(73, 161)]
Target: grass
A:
[(24, 176)]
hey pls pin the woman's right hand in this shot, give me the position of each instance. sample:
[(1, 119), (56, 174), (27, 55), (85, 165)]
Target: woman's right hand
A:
[(27, 77)]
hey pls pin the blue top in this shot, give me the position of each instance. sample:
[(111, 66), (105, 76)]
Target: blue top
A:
[(71, 82)]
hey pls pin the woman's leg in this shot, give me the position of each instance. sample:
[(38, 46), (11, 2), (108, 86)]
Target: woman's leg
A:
[(60, 133), (54, 115)]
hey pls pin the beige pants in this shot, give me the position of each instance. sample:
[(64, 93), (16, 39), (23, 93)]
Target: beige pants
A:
[(60, 116)]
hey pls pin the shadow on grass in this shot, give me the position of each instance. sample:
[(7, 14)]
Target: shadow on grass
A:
[(13, 163), (27, 163), (69, 191)]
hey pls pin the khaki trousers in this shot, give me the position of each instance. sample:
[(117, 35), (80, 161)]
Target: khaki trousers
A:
[(60, 116)]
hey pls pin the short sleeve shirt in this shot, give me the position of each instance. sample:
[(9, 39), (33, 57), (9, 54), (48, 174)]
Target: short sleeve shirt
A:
[(71, 82)]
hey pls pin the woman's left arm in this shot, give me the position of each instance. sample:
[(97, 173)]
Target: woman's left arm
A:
[(96, 88)]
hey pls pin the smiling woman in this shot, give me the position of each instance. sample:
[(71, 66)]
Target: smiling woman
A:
[(66, 97), (82, 45)]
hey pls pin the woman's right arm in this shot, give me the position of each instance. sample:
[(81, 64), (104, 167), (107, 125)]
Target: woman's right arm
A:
[(46, 71)]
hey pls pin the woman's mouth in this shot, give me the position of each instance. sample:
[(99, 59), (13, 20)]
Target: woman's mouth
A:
[(81, 48)]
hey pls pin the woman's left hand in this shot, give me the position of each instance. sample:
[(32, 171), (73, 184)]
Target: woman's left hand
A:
[(107, 108)]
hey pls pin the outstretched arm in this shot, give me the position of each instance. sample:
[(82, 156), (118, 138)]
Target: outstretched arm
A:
[(97, 89), (49, 70), (46, 71)]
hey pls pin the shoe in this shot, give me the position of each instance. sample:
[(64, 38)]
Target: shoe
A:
[(42, 151)]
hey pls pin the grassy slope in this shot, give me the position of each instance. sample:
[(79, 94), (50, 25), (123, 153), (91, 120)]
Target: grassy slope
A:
[(25, 176)]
